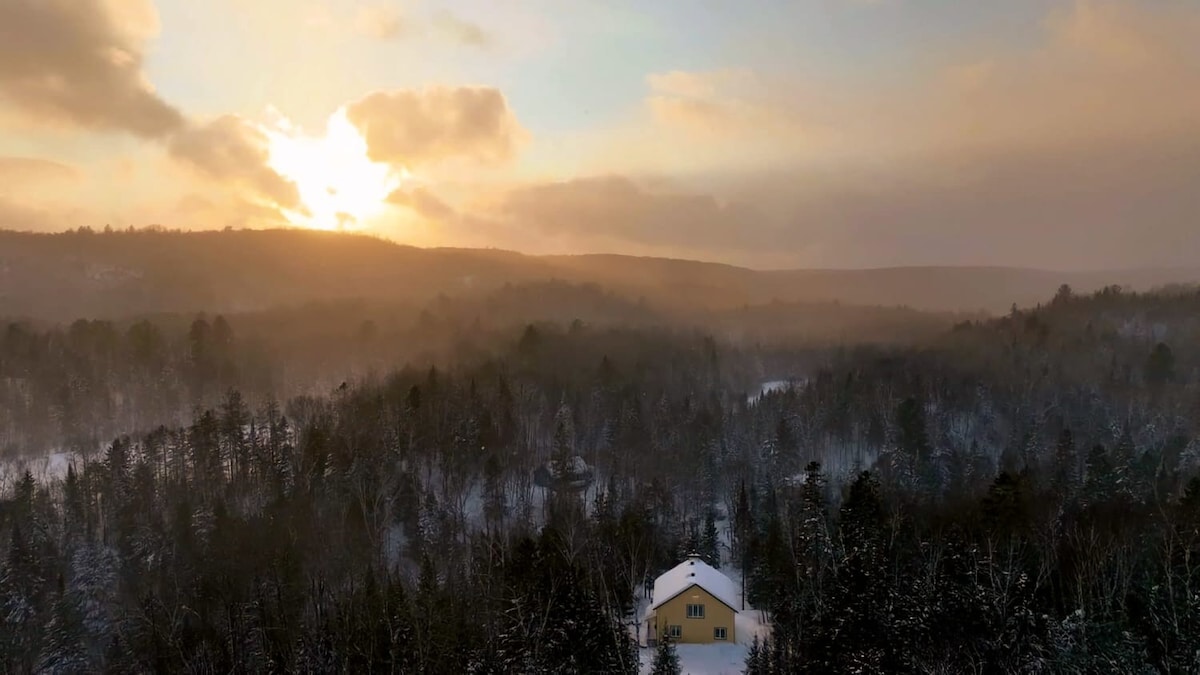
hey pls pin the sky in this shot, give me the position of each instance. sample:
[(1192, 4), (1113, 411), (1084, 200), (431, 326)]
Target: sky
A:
[(1061, 134)]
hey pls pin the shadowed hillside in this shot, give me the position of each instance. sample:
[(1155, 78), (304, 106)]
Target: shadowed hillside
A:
[(61, 277)]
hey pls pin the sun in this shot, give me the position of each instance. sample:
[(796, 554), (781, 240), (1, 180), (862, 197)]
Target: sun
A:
[(339, 185)]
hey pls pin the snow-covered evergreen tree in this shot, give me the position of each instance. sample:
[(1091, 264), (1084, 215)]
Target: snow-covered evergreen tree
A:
[(64, 649), (666, 658)]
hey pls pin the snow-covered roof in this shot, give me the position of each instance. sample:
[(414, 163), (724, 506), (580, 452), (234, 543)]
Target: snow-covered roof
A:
[(694, 572), (577, 465), (573, 465)]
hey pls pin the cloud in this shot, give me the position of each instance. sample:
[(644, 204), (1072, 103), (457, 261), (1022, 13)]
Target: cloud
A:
[(1093, 71), (381, 23), (1106, 207), (204, 212), (1079, 150), (1123, 34), (424, 203), (191, 204), (233, 150), (79, 62), (1104, 72), (1076, 148), (460, 30), (404, 128), (18, 173), (386, 23), (20, 212), (696, 114), (693, 84), (731, 102), (619, 209), (412, 127), (31, 193), (14, 216), (1100, 207)]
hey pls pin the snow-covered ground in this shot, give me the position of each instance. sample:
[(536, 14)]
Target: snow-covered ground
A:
[(773, 386), (718, 659)]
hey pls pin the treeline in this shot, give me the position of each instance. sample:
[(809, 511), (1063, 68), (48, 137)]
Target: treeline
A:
[(61, 277), (76, 386), (71, 389)]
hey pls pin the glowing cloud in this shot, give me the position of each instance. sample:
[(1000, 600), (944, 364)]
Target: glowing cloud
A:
[(339, 185), (79, 62), (235, 151), (425, 126)]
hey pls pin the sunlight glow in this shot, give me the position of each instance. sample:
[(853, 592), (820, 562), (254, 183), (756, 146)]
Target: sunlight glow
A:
[(338, 184)]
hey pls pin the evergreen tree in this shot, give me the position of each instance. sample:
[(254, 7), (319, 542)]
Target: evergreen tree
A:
[(754, 659), (563, 444), (710, 542), (666, 658), (1066, 465), (1101, 483), (814, 519), (1160, 365), (495, 499), (859, 634), (21, 588), (1006, 506), (914, 452), (743, 524), (63, 648)]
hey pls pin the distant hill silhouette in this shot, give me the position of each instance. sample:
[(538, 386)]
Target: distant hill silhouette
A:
[(60, 277)]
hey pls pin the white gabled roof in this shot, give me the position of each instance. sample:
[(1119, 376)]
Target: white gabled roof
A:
[(577, 465), (694, 572)]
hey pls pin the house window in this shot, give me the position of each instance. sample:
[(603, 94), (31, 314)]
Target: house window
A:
[(720, 634), (674, 631), (695, 611)]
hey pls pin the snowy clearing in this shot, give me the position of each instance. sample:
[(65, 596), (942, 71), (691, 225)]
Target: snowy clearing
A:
[(773, 386), (726, 659), (47, 468)]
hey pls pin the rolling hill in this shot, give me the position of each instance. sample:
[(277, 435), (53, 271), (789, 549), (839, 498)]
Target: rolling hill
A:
[(60, 277)]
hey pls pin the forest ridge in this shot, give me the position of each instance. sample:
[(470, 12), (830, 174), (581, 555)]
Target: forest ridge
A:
[(85, 274)]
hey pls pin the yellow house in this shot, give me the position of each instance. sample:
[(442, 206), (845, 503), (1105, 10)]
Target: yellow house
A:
[(693, 603)]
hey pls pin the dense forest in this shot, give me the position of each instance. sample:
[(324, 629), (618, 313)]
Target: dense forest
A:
[(76, 386), (1017, 494)]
